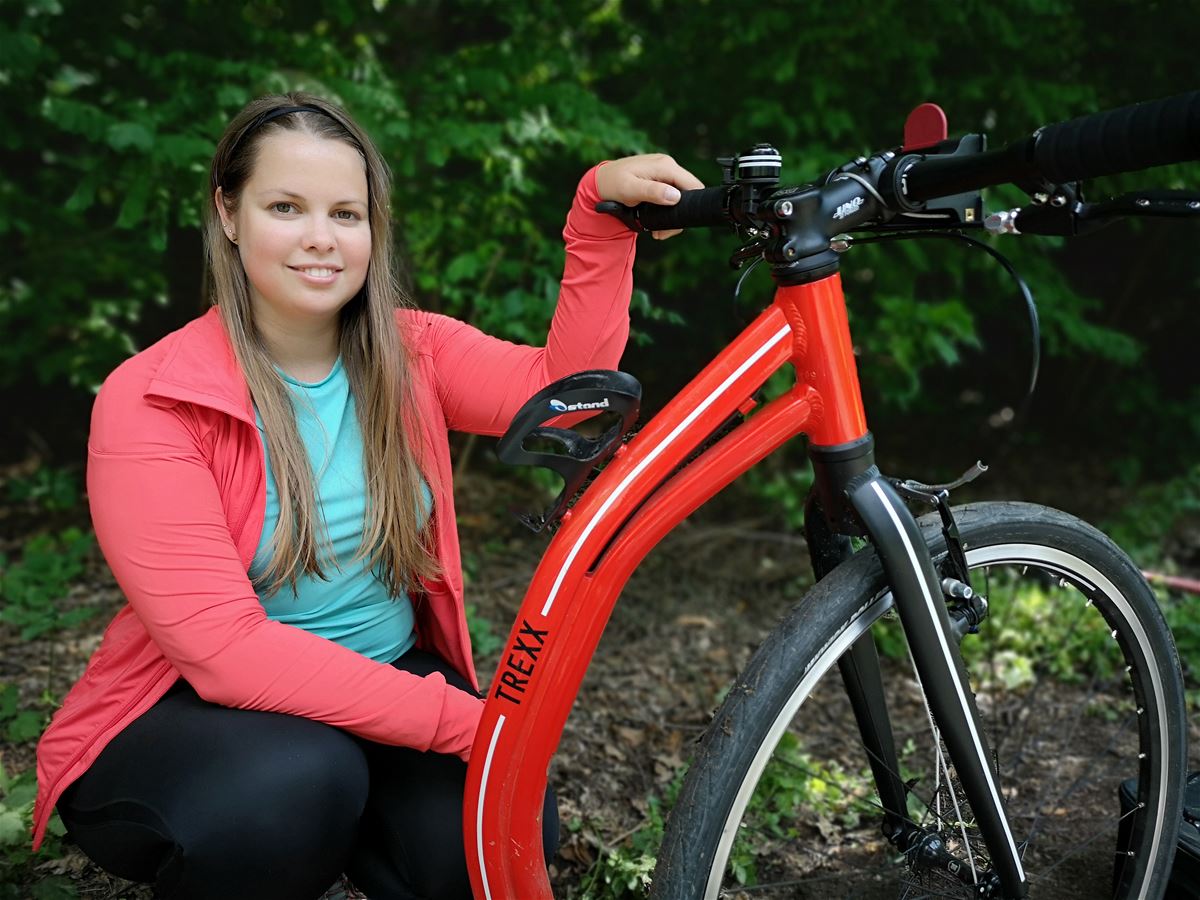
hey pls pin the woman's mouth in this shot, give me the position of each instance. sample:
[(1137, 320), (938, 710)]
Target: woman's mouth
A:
[(316, 274)]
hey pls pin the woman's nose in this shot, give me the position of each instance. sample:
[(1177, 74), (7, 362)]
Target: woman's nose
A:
[(319, 234)]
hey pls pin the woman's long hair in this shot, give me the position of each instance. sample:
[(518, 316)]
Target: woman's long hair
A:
[(375, 358)]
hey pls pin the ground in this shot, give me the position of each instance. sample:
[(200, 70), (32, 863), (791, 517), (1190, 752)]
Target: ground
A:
[(685, 625)]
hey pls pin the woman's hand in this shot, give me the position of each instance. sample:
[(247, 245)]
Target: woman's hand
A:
[(650, 178)]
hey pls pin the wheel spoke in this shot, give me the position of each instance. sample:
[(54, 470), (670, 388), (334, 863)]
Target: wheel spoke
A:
[(943, 769), (1080, 845), (1089, 777)]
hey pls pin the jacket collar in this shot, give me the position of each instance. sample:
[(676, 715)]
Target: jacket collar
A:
[(200, 368)]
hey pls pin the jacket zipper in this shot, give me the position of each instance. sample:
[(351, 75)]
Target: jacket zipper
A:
[(45, 817)]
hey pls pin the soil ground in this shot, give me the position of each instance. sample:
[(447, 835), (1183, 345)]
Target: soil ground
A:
[(686, 624)]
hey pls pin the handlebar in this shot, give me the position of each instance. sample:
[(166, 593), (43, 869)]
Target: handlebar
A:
[(936, 187), (1129, 139), (706, 207)]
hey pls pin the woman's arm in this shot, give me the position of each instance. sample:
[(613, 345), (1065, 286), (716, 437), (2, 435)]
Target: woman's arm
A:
[(482, 381), (160, 522)]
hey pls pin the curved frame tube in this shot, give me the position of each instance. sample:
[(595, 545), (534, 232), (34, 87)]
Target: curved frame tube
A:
[(641, 495)]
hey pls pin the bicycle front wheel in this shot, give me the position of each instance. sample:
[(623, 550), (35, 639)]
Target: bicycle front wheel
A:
[(1077, 682)]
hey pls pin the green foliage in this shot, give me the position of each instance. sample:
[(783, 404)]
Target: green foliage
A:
[(33, 586), (1146, 528), (16, 858), (1185, 628), (47, 488), (906, 338), (782, 488), (1037, 633), (623, 872), (485, 642), (106, 143), (19, 725), (931, 319), (795, 794), (1154, 513), (641, 307), (488, 113)]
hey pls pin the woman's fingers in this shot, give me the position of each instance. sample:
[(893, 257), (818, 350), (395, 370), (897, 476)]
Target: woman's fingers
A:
[(650, 178), (653, 178)]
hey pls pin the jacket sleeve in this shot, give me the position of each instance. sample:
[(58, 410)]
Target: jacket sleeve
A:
[(482, 381), (163, 530)]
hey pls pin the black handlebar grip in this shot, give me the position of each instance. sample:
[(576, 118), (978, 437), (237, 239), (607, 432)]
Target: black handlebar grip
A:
[(1134, 137), (701, 208)]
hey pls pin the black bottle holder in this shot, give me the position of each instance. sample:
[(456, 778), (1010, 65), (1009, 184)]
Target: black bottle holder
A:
[(584, 394)]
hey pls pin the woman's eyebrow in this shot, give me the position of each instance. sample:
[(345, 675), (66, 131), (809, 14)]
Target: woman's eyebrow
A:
[(296, 196)]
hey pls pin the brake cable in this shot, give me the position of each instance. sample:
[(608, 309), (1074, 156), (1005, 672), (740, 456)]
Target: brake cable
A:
[(750, 268), (1022, 408), (1035, 331)]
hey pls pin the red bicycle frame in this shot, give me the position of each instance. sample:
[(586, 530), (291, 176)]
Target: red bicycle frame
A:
[(628, 509)]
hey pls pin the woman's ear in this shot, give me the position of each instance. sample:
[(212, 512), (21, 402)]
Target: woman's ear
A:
[(226, 219)]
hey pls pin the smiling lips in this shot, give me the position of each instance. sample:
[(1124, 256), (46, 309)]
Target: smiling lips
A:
[(317, 274)]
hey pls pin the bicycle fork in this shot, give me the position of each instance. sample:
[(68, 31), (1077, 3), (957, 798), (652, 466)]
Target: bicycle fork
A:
[(917, 595)]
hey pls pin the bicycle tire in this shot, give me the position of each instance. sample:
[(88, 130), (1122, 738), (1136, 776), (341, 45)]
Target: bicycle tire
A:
[(1004, 542)]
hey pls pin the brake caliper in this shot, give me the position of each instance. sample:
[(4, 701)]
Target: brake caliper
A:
[(966, 607)]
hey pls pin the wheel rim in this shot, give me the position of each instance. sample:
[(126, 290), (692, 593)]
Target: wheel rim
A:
[(1008, 687)]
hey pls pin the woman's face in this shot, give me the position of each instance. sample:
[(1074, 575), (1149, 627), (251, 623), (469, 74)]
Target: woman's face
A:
[(302, 229)]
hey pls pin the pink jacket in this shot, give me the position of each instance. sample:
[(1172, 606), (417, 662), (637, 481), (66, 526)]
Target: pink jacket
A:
[(176, 486)]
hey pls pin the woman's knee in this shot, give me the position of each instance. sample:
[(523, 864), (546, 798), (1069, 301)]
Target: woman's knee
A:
[(286, 824), (270, 811), (313, 779)]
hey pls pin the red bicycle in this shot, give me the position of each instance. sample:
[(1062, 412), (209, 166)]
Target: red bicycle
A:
[(928, 641)]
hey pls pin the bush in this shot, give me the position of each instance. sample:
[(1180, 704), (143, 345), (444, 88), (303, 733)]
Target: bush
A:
[(33, 586), (16, 857)]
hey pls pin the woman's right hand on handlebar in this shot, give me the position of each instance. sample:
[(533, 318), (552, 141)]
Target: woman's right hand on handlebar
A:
[(648, 178)]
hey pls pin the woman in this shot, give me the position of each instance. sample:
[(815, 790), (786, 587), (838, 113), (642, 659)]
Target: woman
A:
[(289, 692)]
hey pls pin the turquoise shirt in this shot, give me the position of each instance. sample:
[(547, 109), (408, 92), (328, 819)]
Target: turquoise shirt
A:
[(352, 608)]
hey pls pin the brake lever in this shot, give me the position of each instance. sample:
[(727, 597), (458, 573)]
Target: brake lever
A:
[(1060, 211), (1169, 204), (752, 250), (628, 215)]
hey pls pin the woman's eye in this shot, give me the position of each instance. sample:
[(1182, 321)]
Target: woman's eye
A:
[(347, 215), (282, 207)]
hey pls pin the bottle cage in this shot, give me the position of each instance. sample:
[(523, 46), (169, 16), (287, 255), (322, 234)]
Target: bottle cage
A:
[(583, 394)]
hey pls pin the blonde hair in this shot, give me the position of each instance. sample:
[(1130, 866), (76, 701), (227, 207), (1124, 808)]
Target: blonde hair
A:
[(375, 358)]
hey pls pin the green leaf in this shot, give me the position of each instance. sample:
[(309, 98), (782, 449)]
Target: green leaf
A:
[(25, 726), (21, 790), (55, 825), (463, 267), (8, 701), (133, 210), (182, 149), (124, 135), (12, 827)]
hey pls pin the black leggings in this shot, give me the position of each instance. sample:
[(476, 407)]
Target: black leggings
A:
[(211, 802)]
